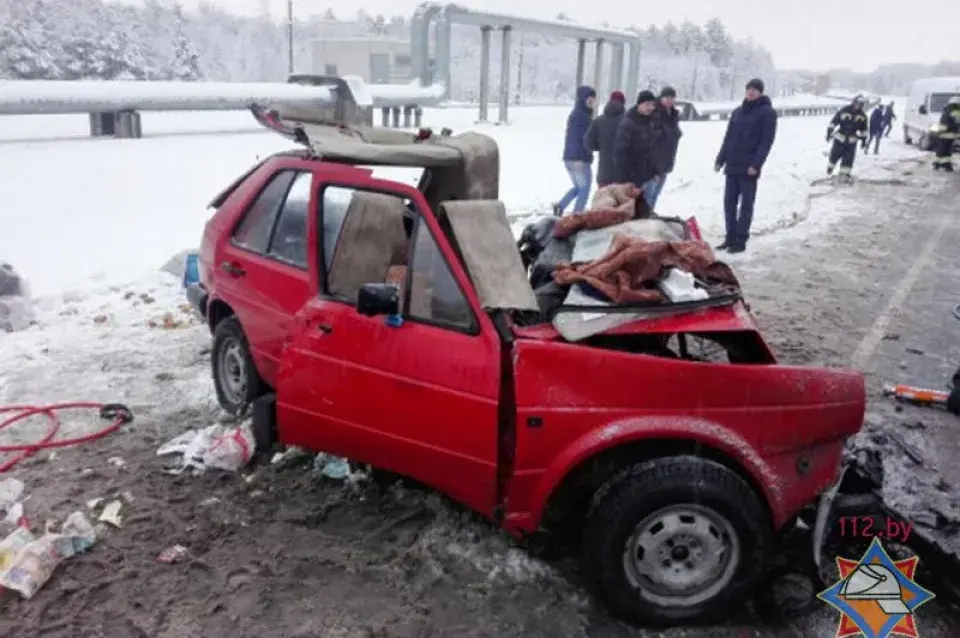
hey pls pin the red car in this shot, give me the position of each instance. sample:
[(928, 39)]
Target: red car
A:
[(397, 327)]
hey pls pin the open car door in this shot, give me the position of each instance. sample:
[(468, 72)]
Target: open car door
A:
[(415, 393)]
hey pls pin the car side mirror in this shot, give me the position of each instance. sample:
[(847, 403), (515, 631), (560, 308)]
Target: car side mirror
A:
[(378, 299), (922, 109)]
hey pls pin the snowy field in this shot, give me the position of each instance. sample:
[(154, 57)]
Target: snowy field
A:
[(118, 208), (90, 222)]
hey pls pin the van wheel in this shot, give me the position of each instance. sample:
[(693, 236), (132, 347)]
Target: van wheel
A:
[(906, 135), (675, 540), (925, 143), (235, 376)]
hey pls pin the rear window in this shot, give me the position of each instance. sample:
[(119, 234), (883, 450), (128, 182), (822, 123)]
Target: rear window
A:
[(938, 101), (217, 201)]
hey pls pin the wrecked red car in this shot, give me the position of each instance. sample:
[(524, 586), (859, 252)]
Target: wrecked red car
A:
[(397, 326)]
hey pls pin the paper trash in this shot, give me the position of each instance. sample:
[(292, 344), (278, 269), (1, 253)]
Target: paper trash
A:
[(219, 446), (32, 567)]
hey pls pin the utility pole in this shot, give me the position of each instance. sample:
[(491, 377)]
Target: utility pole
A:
[(290, 37)]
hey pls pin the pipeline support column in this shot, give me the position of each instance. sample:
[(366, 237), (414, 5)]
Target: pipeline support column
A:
[(484, 71), (504, 74)]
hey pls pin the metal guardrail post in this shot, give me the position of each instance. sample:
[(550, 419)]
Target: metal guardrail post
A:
[(581, 60), (504, 75), (484, 72)]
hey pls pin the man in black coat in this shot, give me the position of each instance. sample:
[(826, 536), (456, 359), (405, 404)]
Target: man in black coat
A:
[(750, 133), (601, 134), (637, 156), (668, 118)]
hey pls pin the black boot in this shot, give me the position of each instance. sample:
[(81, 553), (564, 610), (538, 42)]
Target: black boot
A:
[(724, 246), (948, 168), (739, 247), (556, 210)]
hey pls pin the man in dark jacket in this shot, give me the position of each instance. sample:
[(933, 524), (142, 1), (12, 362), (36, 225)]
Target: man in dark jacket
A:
[(888, 118), (601, 134), (876, 129), (576, 157), (668, 118), (847, 129), (746, 145), (636, 155)]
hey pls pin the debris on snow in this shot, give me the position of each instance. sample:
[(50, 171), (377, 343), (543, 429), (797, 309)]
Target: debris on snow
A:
[(111, 514), (218, 446), (172, 554), (28, 562)]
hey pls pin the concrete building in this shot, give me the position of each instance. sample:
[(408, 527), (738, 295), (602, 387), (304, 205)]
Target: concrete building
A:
[(376, 60)]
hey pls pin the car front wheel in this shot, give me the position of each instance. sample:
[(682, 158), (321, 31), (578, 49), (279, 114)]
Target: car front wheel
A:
[(674, 540), (235, 375)]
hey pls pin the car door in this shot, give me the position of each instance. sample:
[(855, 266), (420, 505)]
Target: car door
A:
[(418, 395), (264, 264)]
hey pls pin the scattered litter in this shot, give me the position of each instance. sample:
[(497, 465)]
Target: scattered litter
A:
[(93, 503), (11, 491), (914, 350), (111, 514), (680, 286), (76, 536), (217, 446), (27, 562), (213, 500), (116, 461), (172, 554), (333, 467), (915, 395), (292, 453)]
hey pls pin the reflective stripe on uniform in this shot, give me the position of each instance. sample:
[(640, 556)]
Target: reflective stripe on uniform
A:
[(845, 170), (942, 160)]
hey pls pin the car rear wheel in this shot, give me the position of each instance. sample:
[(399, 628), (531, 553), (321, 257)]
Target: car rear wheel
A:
[(235, 375), (675, 540)]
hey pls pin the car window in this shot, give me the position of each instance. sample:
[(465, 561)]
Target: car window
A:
[(253, 233), (289, 243), (333, 209), (435, 296)]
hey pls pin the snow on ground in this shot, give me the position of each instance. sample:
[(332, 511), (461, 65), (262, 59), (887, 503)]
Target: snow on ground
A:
[(121, 207)]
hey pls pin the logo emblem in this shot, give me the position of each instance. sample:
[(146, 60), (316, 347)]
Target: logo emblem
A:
[(876, 596)]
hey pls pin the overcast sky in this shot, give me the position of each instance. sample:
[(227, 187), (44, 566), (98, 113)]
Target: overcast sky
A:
[(815, 34)]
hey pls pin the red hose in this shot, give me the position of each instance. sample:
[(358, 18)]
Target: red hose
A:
[(116, 413)]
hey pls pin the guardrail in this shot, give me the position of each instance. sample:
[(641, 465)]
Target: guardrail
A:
[(791, 105), (114, 106)]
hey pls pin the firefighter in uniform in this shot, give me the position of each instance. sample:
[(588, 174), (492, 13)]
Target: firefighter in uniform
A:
[(948, 132), (847, 129)]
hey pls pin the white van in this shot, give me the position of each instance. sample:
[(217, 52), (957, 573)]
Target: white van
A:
[(925, 102)]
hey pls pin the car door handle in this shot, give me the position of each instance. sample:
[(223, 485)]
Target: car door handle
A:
[(233, 268)]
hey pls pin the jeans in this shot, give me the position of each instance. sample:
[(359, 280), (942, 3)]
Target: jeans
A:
[(875, 138), (652, 190), (581, 176), (740, 192)]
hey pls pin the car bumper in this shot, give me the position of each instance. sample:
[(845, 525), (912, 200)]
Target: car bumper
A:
[(197, 295)]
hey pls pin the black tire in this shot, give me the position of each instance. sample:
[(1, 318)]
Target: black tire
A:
[(668, 487), (230, 357)]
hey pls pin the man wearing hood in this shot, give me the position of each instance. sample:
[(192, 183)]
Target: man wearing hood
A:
[(636, 156), (668, 118), (601, 134), (577, 158), (750, 133)]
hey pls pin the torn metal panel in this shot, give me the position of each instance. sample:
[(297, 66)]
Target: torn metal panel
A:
[(483, 237)]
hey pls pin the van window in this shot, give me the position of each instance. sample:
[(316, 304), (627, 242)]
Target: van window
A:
[(938, 101)]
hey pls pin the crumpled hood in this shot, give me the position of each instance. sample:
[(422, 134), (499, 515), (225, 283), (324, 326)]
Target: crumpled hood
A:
[(583, 93)]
